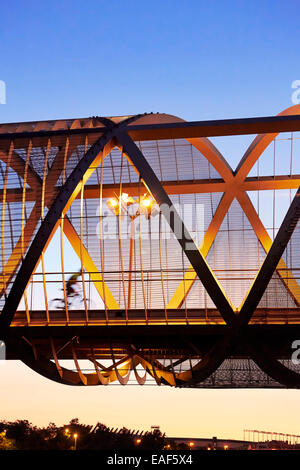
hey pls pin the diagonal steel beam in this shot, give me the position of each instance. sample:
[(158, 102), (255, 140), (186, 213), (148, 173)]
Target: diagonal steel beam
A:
[(236, 189), (36, 184), (272, 259), (177, 226), (209, 237), (283, 272), (63, 201), (48, 227)]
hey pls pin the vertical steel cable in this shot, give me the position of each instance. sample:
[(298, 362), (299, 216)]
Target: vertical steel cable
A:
[(183, 270), (274, 219), (159, 161), (214, 244), (274, 153), (176, 164), (46, 156), (62, 233), (141, 254), (11, 227), (86, 223), (6, 265), (131, 247), (23, 219), (31, 281), (291, 158), (258, 213), (24, 196), (193, 164), (161, 267), (98, 182), (81, 253), (120, 239), (150, 267), (244, 249), (159, 238), (167, 268), (81, 247), (31, 293), (101, 238), (290, 244), (112, 168), (135, 272), (128, 170), (10, 152), (229, 254), (198, 242)]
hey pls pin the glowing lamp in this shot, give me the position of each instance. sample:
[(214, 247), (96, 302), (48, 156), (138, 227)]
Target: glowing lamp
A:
[(112, 202), (128, 200), (113, 205), (146, 202)]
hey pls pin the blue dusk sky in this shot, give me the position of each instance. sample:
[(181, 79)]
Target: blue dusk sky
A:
[(195, 59)]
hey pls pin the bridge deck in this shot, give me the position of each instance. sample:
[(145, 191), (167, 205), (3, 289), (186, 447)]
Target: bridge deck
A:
[(170, 316)]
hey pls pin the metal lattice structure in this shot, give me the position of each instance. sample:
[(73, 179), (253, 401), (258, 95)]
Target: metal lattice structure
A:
[(176, 273)]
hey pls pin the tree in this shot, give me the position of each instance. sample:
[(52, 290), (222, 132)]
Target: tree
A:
[(153, 440), (65, 436), (3, 426), (18, 430), (22, 435), (124, 439), (5, 443)]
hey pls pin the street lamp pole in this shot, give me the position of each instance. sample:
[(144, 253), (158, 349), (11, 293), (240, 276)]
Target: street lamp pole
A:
[(145, 206), (132, 218), (75, 441)]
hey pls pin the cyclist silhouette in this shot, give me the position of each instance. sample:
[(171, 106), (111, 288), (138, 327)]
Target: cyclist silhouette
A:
[(71, 284), (71, 290)]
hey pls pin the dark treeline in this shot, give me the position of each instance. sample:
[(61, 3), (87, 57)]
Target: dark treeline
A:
[(23, 435)]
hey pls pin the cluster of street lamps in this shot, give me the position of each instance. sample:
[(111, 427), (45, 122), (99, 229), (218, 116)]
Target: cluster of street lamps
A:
[(75, 436), (145, 206), (124, 201)]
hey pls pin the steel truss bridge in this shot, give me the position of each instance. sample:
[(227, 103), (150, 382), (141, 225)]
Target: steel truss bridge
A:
[(180, 281)]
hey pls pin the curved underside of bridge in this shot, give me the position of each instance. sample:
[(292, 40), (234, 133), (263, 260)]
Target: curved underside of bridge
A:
[(131, 250)]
